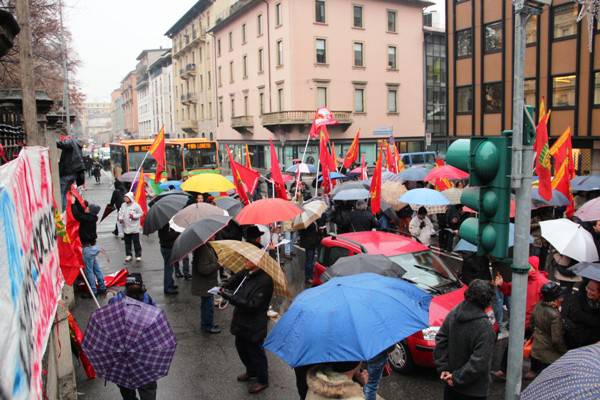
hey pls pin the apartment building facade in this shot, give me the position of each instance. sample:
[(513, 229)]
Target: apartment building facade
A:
[(160, 77), (129, 104), (193, 69), (277, 61), (559, 68), (146, 117), (117, 115)]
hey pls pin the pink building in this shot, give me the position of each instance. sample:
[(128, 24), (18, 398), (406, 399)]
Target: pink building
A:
[(129, 103), (277, 61)]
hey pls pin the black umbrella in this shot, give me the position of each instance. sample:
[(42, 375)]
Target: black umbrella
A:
[(197, 234), (229, 204), (166, 194), (162, 211), (364, 263)]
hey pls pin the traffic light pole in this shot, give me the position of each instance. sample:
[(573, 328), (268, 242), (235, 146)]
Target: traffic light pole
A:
[(522, 164)]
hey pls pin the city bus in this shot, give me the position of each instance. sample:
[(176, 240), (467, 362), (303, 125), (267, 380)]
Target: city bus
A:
[(127, 155), (191, 156)]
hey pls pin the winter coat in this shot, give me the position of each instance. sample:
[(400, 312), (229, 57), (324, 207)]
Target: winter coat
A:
[(205, 270), (548, 334), (251, 294), (362, 220), (323, 383), (167, 236), (423, 234), (116, 200), (581, 321), (465, 347), (129, 216), (87, 225), (71, 158), (310, 237), (475, 267)]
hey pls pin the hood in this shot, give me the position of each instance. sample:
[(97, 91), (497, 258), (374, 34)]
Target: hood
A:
[(332, 385), (94, 209), (468, 312), (534, 262), (130, 195)]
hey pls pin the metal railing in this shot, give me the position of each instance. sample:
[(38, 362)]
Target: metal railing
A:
[(301, 117), (12, 140)]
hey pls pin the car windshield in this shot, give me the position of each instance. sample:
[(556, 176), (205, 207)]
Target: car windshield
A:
[(426, 271)]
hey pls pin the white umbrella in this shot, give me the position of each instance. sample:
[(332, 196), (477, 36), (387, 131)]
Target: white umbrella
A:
[(312, 212), (570, 239)]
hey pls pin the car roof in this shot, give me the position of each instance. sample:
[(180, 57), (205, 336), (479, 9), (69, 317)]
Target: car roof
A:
[(384, 243)]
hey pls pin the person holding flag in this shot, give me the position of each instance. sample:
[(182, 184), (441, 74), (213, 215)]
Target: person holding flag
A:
[(130, 215)]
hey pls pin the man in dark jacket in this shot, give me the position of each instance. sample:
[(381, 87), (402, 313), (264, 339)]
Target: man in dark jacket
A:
[(581, 316), (166, 238), (465, 343), (361, 218), (70, 165), (250, 291), (87, 219), (205, 272), (310, 239), (116, 200)]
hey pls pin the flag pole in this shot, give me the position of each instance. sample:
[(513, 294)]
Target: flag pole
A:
[(87, 283), (137, 173), (317, 178)]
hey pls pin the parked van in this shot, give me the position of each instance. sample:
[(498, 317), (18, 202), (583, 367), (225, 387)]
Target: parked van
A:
[(419, 159)]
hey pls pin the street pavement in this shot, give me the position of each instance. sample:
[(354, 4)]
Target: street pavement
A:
[(205, 366)]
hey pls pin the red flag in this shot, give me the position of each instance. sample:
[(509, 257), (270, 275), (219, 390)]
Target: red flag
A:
[(237, 181), (442, 184), (276, 174), (323, 117), (332, 158), (324, 161), (399, 164), (363, 168), (140, 195), (248, 160), (248, 176), (376, 186), (157, 150), (69, 245), (352, 154), (542, 154), (389, 158), (562, 150)]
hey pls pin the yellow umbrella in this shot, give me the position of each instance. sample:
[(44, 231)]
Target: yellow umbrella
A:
[(234, 255), (207, 183), (391, 192)]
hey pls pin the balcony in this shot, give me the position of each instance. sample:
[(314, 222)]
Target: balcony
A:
[(190, 126), (244, 124), (286, 121), (183, 74), (183, 99), (191, 98), (190, 69)]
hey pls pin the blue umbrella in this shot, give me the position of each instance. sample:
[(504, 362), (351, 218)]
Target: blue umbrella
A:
[(352, 194), (333, 176), (468, 247), (351, 318), (424, 197), (385, 176), (294, 168), (585, 183), (167, 185), (414, 173), (558, 199)]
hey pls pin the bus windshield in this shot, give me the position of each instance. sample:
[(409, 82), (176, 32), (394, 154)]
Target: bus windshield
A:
[(200, 156), (135, 159)]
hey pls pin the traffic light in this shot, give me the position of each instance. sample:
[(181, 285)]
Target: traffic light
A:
[(488, 161)]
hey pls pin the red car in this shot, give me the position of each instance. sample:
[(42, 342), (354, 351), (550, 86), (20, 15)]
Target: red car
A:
[(423, 268)]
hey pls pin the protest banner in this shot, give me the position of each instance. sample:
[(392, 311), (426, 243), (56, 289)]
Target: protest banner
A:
[(30, 277)]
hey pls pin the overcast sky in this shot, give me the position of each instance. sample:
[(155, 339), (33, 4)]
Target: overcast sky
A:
[(110, 34)]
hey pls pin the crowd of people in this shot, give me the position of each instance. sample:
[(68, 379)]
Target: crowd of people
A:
[(562, 310)]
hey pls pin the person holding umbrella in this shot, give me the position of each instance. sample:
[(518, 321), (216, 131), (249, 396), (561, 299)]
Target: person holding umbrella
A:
[(205, 272), (166, 238), (581, 315), (116, 200), (250, 292), (421, 227)]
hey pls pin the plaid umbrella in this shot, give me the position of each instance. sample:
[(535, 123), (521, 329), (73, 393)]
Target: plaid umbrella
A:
[(234, 254), (391, 192), (193, 213), (453, 195), (130, 343), (312, 212)]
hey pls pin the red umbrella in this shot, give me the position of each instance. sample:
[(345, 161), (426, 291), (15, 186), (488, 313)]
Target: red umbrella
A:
[(446, 171), (268, 211)]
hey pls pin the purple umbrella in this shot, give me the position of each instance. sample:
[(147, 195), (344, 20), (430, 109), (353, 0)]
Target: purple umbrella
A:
[(129, 343)]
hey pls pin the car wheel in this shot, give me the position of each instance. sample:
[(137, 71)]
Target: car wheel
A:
[(400, 358)]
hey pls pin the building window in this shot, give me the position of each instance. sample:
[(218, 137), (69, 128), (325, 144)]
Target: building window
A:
[(210, 110), (230, 71), (464, 100), (596, 88), (246, 104), (232, 107), (321, 97), (220, 76), (321, 51), (392, 57), (464, 43), (279, 52), (230, 41), (359, 100), (278, 14), (529, 90), (531, 29), (260, 61), (218, 47), (280, 99), (261, 102), (492, 98), (209, 80), (565, 21), (320, 11), (221, 110), (493, 37), (563, 91), (245, 67), (392, 96), (391, 21), (259, 27), (243, 33), (358, 55), (357, 20)]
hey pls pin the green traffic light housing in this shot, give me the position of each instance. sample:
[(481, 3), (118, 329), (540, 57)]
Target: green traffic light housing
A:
[(488, 162)]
